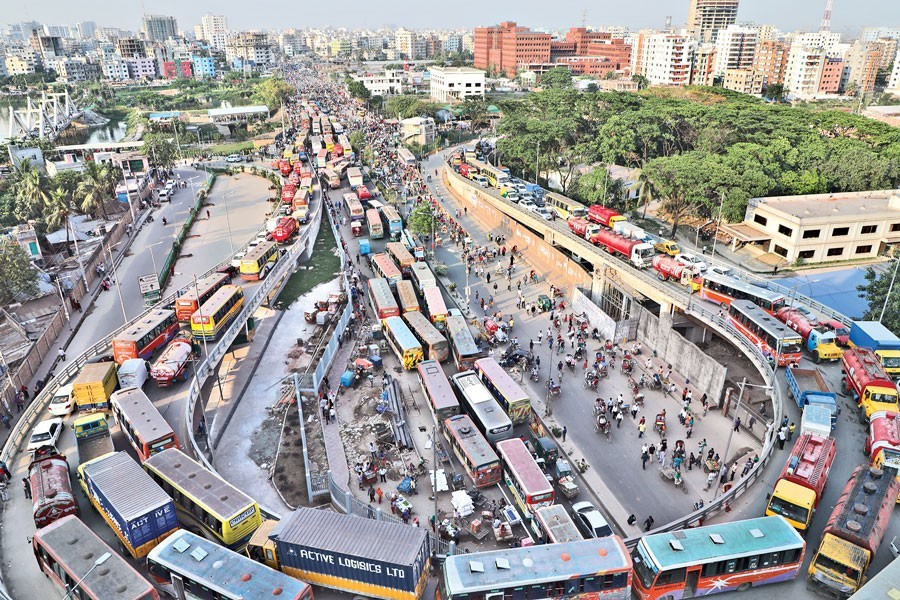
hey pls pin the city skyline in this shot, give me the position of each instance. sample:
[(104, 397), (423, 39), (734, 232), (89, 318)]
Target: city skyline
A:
[(804, 15)]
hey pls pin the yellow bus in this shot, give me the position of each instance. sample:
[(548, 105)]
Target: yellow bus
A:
[(216, 314), (257, 263), (565, 207), (206, 504), (405, 345), (401, 256)]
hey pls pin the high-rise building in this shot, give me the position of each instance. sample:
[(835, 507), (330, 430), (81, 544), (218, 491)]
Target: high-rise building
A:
[(130, 48), (804, 71), (894, 81), (250, 48), (214, 30), (666, 58), (86, 29), (871, 34), (46, 46), (863, 62), (771, 61), (735, 48), (707, 17), (159, 28), (703, 63), (405, 43), (506, 46)]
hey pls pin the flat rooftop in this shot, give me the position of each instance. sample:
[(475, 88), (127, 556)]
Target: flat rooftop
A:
[(876, 203), (457, 70)]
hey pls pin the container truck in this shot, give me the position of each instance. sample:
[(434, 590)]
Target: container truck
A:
[(631, 231), (92, 437), (638, 253), (808, 388), (583, 228), (668, 268), (172, 363), (134, 506), (818, 339), (853, 532), (93, 386), (51, 488), (802, 482), (359, 556), (883, 442), (874, 335), (870, 385), (604, 216), (133, 373)]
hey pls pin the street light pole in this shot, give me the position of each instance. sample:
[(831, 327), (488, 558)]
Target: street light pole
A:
[(112, 264), (100, 560), (890, 289), (63, 300)]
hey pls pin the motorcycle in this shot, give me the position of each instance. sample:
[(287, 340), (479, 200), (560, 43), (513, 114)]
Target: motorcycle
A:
[(535, 376), (150, 218)]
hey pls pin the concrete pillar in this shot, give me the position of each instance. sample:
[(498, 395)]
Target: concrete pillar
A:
[(348, 502)]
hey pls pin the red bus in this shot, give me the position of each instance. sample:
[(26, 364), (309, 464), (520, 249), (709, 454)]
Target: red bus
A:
[(385, 267), (144, 427), (473, 451), (777, 342), (146, 336), (723, 289), (441, 399), (382, 300), (188, 303), (524, 478)]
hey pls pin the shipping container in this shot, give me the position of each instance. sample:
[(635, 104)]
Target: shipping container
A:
[(93, 385)]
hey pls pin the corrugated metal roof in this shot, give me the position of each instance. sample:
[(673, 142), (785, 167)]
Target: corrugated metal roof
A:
[(354, 536), (126, 485)]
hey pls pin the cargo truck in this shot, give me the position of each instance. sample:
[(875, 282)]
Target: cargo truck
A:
[(865, 378), (874, 335), (467, 170), (853, 532), (668, 268), (667, 247), (583, 228), (134, 506), (631, 231), (883, 442), (808, 388), (802, 482), (93, 386), (284, 230), (359, 556), (637, 253), (818, 339), (92, 437), (51, 489), (133, 373), (604, 216)]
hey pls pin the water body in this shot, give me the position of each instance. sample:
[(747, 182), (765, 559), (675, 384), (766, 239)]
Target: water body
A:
[(323, 266), (113, 131)]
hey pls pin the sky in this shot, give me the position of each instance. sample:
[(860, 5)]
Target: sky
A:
[(848, 16)]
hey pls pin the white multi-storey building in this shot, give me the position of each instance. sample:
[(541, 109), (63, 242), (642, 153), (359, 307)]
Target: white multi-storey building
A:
[(115, 69), (666, 58), (389, 83), (214, 30), (735, 48), (894, 81), (804, 70), (452, 84)]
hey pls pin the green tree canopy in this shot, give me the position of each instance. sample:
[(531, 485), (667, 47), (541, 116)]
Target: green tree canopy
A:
[(358, 89), (273, 92), (875, 292), (160, 149), (422, 219), (559, 78), (18, 275)]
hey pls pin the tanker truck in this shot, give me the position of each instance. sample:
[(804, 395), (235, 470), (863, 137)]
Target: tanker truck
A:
[(583, 228), (817, 339), (668, 268), (637, 253)]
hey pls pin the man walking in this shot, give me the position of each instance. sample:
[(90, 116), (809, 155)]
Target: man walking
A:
[(645, 456), (564, 432)]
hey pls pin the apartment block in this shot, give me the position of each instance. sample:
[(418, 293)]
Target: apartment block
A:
[(159, 28), (832, 73), (130, 48), (703, 63), (894, 81), (70, 70), (771, 61), (745, 81), (735, 49), (18, 65), (214, 30), (863, 62), (250, 48), (204, 67), (506, 46), (454, 84), (666, 59), (141, 68), (389, 83), (707, 17), (115, 69), (804, 71)]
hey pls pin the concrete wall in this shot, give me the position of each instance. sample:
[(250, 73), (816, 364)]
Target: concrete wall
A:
[(704, 372), (597, 318)]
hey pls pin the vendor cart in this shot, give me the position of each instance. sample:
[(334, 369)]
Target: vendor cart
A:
[(562, 473), (544, 303)]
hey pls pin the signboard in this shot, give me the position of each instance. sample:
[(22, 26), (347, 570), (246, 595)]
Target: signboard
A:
[(149, 285)]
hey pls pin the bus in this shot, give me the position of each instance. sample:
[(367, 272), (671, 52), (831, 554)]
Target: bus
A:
[(407, 296), (144, 428), (465, 350), (523, 477), (485, 411), (436, 387), (217, 313), (717, 558), (435, 307), (435, 345), (345, 144), (470, 152), (204, 569), (495, 176), (315, 144), (473, 451), (403, 342), (376, 231), (328, 140), (777, 342), (333, 178), (67, 550), (261, 259), (144, 337), (306, 183), (188, 303), (405, 156), (723, 289), (390, 216), (205, 502), (565, 208), (401, 256), (413, 244), (321, 158), (354, 207), (385, 268), (508, 393), (553, 525), (423, 276), (382, 300)]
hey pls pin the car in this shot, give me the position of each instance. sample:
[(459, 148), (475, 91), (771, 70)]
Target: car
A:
[(691, 261), (520, 187), (539, 201), (512, 196), (543, 212), (170, 185), (165, 195), (841, 332), (590, 521), (234, 158), (62, 403), (236, 260), (455, 312), (528, 205), (515, 357), (722, 270), (45, 433)]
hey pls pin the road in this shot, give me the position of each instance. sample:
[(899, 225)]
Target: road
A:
[(207, 246)]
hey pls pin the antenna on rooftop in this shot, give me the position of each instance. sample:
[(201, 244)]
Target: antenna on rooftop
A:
[(826, 18), (584, 18)]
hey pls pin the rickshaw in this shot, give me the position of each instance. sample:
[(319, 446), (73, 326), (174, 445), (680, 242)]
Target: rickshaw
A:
[(562, 472), (660, 424), (495, 331), (544, 303), (674, 476), (356, 228)]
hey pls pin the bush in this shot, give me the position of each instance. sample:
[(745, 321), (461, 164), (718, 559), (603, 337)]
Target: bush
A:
[(440, 269)]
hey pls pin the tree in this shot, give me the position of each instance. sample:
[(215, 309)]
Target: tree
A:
[(559, 78), (422, 220), (875, 292), (357, 140), (18, 275), (476, 111), (273, 92), (95, 189), (402, 107), (161, 149), (775, 92), (642, 82), (31, 188), (358, 90)]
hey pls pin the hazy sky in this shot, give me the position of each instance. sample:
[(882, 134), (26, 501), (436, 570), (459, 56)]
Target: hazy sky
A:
[(848, 15)]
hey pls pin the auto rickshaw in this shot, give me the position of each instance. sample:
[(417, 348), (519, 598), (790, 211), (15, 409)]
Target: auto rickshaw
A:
[(495, 331), (356, 228), (544, 303), (546, 449)]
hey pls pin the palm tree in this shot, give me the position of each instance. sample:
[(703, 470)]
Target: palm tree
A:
[(95, 188), (644, 188), (56, 210), (31, 189)]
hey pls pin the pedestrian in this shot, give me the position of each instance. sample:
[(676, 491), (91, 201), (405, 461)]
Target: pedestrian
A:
[(689, 432), (5, 418), (207, 214), (27, 485), (332, 414), (632, 519), (645, 456), (723, 474), (634, 409), (684, 394), (652, 450), (781, 437), (691, 460), (382, 474), (703, 444), (371, 494), (733, 470), (379, 493), (540, 337), (737, 424), (747, 466), (709, 480), (751, 423), (790, 434), (619, 420), (642, 427), (565, 431), (62, 355), (24, 390), (648, 523), (20, 402), (5, 470)]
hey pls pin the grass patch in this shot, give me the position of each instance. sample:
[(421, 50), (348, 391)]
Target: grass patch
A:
[(234, 148), (325, 265)]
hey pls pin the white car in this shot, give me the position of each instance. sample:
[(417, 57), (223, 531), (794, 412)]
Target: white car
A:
[(165, 195), (480, 180), (724, 271), (590, 521), (170, 185), (528, 205), (692, 261), (236, 260), (543, 212), (512, 196), (46, 433), (62, 403), (233, 158)]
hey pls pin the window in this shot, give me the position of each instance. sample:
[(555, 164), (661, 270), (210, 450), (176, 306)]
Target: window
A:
[(868, 229), (864, 249), (840, 231), (779, 250), (760, 219), (807, 254), (834, 252), (811, 234), (785, 230), (895, 227)]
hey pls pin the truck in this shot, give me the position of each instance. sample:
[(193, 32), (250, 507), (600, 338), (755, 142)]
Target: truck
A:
[(604, 216), (92, 437), (287, 193), (285, 167), (284, 230), (467, 170), (667, 247), (134, 506), (637, 253), (172, 363), (874, 335), (883, 442), (582, 227), (802, 481), (668, 268), (346, 553), (51, 489), (817, 339), (93, 385), (870, 385), (807, 387), (133, 373), (816, 419), (853, 532), (630, 230)]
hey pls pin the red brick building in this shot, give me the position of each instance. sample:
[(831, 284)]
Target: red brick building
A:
[(506, 46), (832, 71)]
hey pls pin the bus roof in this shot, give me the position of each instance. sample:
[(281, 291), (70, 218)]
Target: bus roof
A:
[(125, 485), (259, 250), (557, 522), (401, 332), (483, 571), (517, 458), (423, 327), (501, 380), (137, 330), (461, 335), (764, 320), (462, 427), (472, 387), (694, 546), (437, 384), (738, 284), (203, 284), (141, 414)]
